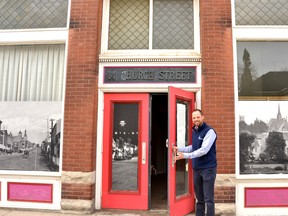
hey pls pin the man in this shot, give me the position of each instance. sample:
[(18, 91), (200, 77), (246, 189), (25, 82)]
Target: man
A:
[(203, 155)]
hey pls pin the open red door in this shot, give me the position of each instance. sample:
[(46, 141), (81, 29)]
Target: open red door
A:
[(125, 151), (180, 184)]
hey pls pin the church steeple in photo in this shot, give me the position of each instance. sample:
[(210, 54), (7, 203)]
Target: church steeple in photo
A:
[(279, 116)]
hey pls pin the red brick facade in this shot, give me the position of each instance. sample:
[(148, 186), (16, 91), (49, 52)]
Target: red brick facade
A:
[(218, 85), (81, 87), (81, 90), (81, 95), (218, 79), (78, 191), (225, 195)]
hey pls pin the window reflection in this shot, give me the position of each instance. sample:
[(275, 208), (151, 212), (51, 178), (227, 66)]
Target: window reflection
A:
[(182, 128), (125, 147)]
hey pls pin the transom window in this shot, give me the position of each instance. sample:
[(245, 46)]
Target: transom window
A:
[(261, 12), (151, 24), (33, 14)]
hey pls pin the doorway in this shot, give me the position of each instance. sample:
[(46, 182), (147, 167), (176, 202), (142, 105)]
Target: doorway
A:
[(145, 180), (159, 150)]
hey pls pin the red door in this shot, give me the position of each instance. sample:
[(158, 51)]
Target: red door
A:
[(125, 151), (180, 184)]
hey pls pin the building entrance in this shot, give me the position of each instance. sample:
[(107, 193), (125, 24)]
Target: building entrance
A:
[(159, 135), (139, 167)]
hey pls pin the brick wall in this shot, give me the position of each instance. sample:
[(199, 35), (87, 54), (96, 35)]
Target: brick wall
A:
[(218, 78), (81, 87), (81, 93), (78, 191), (225, 194)]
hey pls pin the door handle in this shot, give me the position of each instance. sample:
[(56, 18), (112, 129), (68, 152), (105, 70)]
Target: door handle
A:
[(143, 152), (173, 155)]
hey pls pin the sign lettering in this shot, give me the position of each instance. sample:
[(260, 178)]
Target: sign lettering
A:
[(150, 75)]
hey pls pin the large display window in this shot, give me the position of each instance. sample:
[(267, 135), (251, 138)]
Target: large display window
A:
[(262, 107), (261, 75), (31, 95)]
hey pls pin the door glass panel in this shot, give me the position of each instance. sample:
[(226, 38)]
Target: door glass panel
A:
[(182, 127), (125, 147)]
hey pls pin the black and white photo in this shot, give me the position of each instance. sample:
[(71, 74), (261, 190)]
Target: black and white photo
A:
[(30, 136)]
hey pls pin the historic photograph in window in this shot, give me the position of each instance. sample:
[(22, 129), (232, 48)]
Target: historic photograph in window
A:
[(31, 98), (263, 137), (263, 107), (262, 69), (30, 136)]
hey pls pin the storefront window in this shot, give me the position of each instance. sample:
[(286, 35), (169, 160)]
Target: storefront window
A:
[(263, 107), (31, 95)]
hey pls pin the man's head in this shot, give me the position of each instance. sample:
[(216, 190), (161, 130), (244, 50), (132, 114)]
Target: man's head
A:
[(197, 117)]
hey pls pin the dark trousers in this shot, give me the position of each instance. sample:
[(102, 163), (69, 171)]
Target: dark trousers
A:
[(204, 181)]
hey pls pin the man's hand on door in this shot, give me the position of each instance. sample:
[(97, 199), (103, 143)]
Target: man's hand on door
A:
[(179, 156)]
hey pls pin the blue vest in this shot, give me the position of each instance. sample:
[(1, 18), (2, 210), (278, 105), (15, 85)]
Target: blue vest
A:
[(208, 160)]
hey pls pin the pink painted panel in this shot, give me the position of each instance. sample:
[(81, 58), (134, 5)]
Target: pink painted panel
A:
[(266, 197), (30, 192)]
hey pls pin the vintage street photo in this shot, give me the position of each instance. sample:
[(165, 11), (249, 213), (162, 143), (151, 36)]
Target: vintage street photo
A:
[(30, 136)]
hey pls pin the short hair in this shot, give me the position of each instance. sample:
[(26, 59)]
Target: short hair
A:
[(198, 110)]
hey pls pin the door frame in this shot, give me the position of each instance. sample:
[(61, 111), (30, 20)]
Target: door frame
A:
[(97, 175)]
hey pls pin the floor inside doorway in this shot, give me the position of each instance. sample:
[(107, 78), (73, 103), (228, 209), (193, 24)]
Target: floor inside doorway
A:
[(159, 191)]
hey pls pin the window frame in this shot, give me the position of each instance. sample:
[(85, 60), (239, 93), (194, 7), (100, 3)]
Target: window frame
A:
[(252, 33), (128, 53), (45, 36)]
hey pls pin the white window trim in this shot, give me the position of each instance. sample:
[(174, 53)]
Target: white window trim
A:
[(45, 36), (260, 33)]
